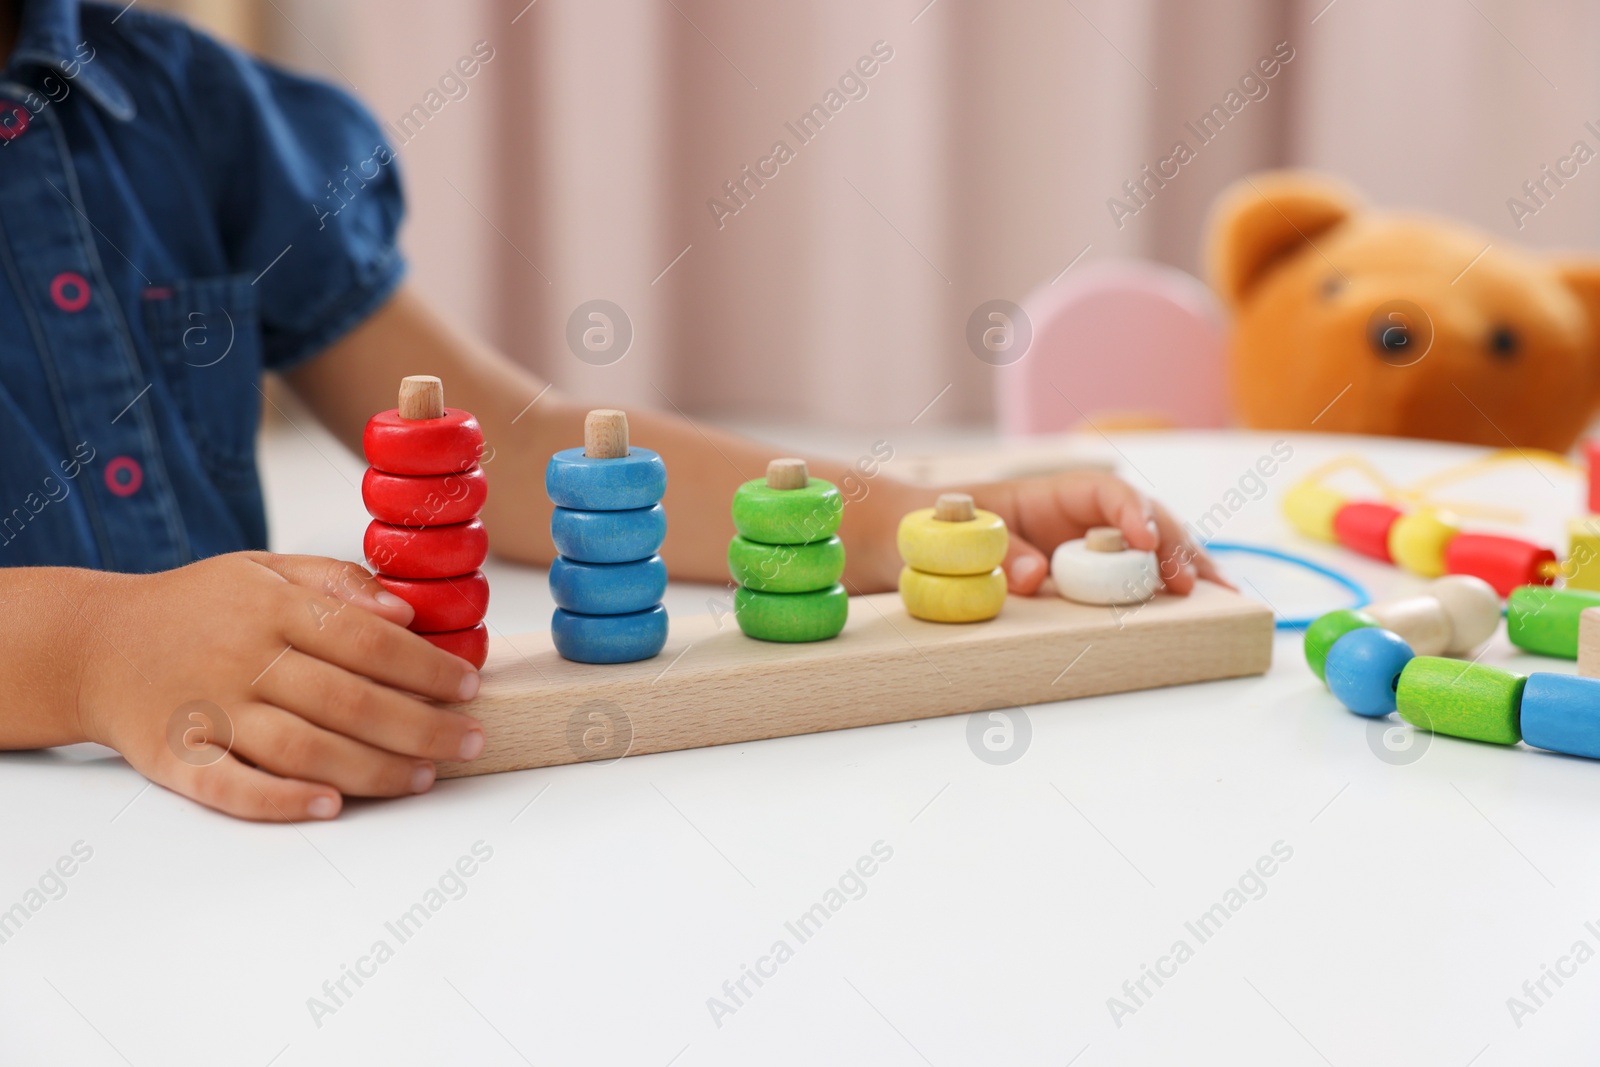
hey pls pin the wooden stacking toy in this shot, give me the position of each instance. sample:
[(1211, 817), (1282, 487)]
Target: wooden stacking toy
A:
[(608, 524), (952, 553), (1100, 568), (424, 490), (786, 557)]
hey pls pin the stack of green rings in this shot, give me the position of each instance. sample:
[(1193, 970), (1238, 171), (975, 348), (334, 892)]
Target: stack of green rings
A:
[(786, 558)]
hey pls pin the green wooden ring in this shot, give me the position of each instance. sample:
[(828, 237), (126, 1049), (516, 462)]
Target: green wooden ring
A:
[(787, 516), (1327, 629), (814, 616), (1471, 700), (786, 568)]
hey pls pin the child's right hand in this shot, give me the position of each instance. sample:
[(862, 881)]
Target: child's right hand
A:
[(309, 663)]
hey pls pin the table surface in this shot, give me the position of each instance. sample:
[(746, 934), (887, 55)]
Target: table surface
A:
[(612, 912)]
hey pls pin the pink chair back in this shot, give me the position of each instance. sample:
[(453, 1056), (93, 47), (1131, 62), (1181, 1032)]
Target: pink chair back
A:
[(1119, 344)]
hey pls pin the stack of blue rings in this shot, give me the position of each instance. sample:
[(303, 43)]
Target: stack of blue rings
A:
[(608, 580)]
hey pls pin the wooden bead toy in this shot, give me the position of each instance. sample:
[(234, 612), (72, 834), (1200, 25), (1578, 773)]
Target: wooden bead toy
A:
[(424, 490), (785, 558), (1582, 567), (424, 499), (1591, 453), (1463, 699), (1561, 712), (1363, 526), (1419, 620), (422, 436), (1323, 633), (1545, 621), (952, 553), (608, 588), (1100, 568), (1418, 539), (440, 604), (800, 514), (1363, 669), (1503, 562), (785, 568), (607, 527), (605, 474), (586, 638), (1472, 606), (793, 617), (427, 551), (953, 537), (1310, 508), (608, 536)]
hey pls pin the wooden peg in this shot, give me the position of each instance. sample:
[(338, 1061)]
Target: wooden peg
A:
[(1104, 539), (954, 507), (605, 434), (787, 474), (421, 397)]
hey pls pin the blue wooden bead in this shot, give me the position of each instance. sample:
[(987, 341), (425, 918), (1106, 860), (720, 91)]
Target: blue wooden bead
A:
[(574, 480), (1363, 669), (608, 536), (1561, 712), (609, 638), (607, 588)]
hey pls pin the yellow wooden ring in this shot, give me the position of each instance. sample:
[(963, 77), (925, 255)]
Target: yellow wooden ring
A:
[(1310, 508), (953, 598), (1418, 539), (934, 546)]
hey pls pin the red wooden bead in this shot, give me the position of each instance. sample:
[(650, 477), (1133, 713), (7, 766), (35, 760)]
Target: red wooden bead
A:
[(424, 499), (444, 445), (442, 603), (428, 552), (1591, 455), (471, 644), (1503, 562), (1364, 527)]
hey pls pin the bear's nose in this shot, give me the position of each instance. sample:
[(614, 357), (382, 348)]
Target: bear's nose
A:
[(1400, 333), (1391, 339)]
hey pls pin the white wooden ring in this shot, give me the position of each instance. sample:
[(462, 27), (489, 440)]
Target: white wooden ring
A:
[(1126, 577)]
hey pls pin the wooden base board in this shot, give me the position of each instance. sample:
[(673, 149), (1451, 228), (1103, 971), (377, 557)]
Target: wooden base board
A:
[(712, 685)]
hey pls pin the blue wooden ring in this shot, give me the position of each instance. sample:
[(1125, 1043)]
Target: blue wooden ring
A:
[(1561, 712), (607, 588), (609, 638), (574, 480), (608, 536)]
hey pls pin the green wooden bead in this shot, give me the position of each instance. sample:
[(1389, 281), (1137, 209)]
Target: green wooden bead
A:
[(1471, 700), (1543, 620), (1321, 635), (812, 616), (787, 516), (786, 568)]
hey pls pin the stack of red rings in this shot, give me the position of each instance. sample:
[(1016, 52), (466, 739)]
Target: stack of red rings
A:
[(424, 491)]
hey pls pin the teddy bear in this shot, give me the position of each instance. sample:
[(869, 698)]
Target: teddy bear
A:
[(1348, 319)]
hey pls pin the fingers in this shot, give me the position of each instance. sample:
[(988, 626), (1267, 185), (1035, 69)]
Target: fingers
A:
[(1176, 554), (1123, 506), (1025, 566), (361, 642), (349, 582), (348, 704), (285, 744), (233, 788)]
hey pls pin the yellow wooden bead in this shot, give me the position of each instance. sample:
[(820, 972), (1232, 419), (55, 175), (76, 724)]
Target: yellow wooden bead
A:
[(1310, 508), (934, 546), (953, 598), (1418, 539), (1583, 553)]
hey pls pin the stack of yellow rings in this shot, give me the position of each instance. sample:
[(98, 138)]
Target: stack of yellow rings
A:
[(953, 554)]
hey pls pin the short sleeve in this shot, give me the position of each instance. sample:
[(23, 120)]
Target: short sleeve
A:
[(307, 198)]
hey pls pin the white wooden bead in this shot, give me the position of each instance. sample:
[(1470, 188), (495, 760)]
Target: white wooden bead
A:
[(1125, 577), (1420, 620), (1473, 608)]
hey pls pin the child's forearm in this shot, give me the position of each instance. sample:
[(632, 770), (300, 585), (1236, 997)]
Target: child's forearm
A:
[(46, 624)]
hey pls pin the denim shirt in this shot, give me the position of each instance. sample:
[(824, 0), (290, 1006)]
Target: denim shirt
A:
[(175, 217)]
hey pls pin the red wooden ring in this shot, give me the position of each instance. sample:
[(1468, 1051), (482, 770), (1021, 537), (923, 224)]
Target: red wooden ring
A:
[(444, 445), (428, 552), (1364, 527), (1503, 562), (471, 644), (442, 603), (424, 499)]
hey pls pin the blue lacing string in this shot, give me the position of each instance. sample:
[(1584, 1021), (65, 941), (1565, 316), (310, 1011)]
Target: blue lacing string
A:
[(1355, 588)]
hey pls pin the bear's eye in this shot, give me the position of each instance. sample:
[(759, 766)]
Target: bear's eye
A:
[(1503, 342), (1332, 286)]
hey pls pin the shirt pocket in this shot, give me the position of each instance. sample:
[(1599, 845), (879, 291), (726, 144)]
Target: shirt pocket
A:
[(206, 333)]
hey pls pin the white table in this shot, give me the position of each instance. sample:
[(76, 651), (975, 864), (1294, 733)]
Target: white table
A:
[(1020, 897)]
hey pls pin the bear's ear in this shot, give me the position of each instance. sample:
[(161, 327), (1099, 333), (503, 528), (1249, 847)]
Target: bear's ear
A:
[(1260, 219), (1582, 277)]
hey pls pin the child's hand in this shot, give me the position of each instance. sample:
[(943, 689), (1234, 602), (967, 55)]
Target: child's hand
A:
[(1041, 513), (309, 664)]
